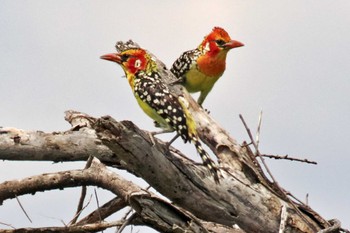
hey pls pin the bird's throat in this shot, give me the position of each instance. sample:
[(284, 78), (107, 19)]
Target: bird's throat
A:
[(212, 66)]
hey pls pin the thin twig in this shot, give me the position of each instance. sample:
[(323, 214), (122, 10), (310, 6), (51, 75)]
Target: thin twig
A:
[(80, 205), (127, 213), (23, 209), (126, 222), (294, 197), (82, 195), (104, 211), (130, 210), (75, 217), (258, 130), (257, 149), (286, 157), (94, 227), (124, 219), (9, 225), (98, 204), (270, 174)]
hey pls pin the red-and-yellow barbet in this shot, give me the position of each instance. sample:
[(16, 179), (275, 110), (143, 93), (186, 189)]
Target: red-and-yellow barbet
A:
[(156, 100), (200, 68)]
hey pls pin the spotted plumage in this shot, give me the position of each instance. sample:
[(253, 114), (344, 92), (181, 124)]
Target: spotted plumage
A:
[(154, 97), (184, 63), (153, 92), (200, 68)]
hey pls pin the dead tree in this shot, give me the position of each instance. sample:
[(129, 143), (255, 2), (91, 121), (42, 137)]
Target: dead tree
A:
[(244, 201)]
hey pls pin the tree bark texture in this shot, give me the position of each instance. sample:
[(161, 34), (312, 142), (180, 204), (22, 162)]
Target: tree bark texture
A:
[(240, 198), (244, 197)]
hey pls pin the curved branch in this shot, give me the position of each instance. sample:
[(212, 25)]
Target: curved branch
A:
[(245, 196), (97, 175), (247, 173), (241, 195), (152, 211)]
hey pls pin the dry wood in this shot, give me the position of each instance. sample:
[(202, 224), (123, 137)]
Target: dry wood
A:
[(238, 199), (244, 197)]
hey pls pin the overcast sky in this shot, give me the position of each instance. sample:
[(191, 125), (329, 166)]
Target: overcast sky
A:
[(294, 66)]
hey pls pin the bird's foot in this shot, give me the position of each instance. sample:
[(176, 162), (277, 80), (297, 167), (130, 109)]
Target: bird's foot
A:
[(151, 134), (176, 82), (171, 141)]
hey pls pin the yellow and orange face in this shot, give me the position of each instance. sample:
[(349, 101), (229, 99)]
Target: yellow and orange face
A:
[(219, 40), (132, 60)]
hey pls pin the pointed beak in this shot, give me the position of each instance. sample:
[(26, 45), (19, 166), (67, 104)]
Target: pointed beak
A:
[(112, 57), (233, 44)]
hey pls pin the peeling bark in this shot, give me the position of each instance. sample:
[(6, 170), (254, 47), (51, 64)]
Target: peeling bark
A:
[(240, 200), (245, 197)]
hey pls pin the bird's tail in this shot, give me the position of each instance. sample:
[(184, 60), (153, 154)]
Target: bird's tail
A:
[(193, 137), (207, 161)]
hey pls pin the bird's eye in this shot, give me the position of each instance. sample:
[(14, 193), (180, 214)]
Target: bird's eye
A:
[(137, 63), (220, 42), (124, 57)]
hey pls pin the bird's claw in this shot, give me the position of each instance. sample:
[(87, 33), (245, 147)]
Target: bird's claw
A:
[(151, 136)]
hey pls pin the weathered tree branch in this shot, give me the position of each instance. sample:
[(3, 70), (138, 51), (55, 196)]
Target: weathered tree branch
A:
[(94, 227), (151, 210), (227, 150), (172, 175), (244, 196), (72, 145)]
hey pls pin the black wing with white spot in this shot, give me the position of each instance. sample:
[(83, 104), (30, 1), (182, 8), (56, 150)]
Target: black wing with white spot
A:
[(153, 92), (150, 89), (184, 63)]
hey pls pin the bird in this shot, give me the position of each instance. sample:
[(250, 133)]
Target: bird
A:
[(199, 69), (155, 98)]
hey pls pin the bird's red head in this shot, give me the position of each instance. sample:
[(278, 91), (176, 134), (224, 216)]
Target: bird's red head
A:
[(219, 40), (132, 60)]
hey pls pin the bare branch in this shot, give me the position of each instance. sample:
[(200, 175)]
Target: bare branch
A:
[(306, 220), (97, 174), (82, 195), (94, 227), (78, 213), (104, 211), (98, 205), (170, 172), (175, 176), (5, 224), (56, 146), (143, 202), (24, 211), (257, 149), (286, 157), (245, 197), (127, 221), (257, 138)]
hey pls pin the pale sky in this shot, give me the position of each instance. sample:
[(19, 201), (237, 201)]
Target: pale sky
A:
[(294, 66)]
